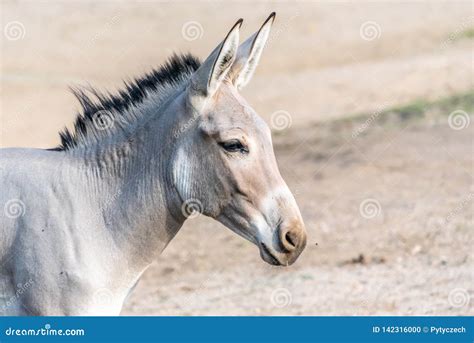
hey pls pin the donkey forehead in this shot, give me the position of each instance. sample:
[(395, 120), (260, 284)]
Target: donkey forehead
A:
[(231, 111)]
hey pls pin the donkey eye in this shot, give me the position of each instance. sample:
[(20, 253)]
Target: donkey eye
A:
[(234, 145)]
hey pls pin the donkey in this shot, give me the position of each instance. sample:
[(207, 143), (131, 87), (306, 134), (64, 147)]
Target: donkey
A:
[(83, 221)]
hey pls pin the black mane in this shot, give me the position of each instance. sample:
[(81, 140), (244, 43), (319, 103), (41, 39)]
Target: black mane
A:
[(172, 72)]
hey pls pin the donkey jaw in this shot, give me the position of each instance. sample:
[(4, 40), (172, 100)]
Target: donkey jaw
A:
[(275, 258)]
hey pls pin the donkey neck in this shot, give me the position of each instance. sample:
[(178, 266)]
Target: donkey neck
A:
[(129, 176)]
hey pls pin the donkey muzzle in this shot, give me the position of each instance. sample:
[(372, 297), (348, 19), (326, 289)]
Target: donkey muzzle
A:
[(288, 243)]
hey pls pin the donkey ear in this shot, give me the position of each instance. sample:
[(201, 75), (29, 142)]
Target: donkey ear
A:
[(213, 71), (249, 54)]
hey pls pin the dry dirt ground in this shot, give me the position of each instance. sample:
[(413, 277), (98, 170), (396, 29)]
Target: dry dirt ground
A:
[(387, 197)]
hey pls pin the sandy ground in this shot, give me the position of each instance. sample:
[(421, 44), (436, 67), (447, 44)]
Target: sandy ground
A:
[(412, 255)]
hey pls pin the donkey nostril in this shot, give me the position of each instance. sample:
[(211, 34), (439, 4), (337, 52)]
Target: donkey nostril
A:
[(290, 238)]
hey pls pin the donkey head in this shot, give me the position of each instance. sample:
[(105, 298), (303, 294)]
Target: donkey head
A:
[(226, 162)]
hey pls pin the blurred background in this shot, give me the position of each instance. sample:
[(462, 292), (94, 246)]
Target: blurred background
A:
[(371, 106)]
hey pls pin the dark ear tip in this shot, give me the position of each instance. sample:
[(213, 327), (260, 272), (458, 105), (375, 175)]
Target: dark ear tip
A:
[(271, 18), (239, 23)]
